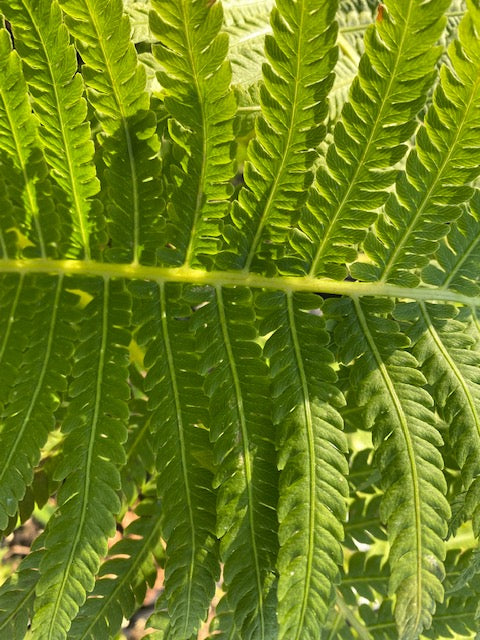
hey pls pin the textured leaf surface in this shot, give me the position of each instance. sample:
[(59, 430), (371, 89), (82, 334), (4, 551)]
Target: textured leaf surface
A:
[(116, 83), (390, 387), (369, 139), (76, 536), (244, 458), (313, 487), (438, 171), (198, 96), (50, 61), (201, 316), (178, 408)]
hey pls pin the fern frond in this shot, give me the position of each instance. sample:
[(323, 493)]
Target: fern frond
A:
[(8, 217), (116, 83), (390, 387), (394, 75), (245, 461), (436, 180), (457, 260), (17, 595), (140, 448), (196, 84), (454, 618), (121, 585), (311, 457), (50, 65), (363, 525), (301, 55), (178, 410), (444, 348), (76, 536), (247, 23), (41, 376), (19, 142)]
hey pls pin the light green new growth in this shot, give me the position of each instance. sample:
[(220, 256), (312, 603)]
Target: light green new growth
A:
[(239, 305)]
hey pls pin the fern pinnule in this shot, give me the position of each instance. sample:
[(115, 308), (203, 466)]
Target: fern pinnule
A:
[(457, 259), (436, 181), (195, 78), (139, 469), (116, 84), (244, 458), (43, 367), (19, 142), (390, 387), (76, 537), (246, 23), (17, 594), (301, 54), (394, 76), (121, 584), (311, 457), (363, 524), (49, 59), (178, 408), (449, 356)]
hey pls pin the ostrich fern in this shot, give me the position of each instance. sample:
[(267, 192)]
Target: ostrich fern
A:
[(282, 378)]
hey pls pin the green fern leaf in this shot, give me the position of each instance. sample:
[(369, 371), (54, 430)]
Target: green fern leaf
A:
[(311, 448), (20, 145), (301, 55), (49, 60), (76, 537), (436, 181), (17, 595), (446, 350), (196, 82), (389, 386), (244, 456), (175, 354), (178, 408), (246, 23), (42, 369), (379, 118), (130, 561), (458, 258), (116, 83)]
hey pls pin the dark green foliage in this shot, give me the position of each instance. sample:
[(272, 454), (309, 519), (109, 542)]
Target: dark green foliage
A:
[(244, 308)]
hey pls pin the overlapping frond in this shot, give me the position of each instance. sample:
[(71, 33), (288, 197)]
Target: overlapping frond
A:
[(76, 536), (394, 76), (56, 89), (178, 409), (116, 83), (457, 260), (247, 24), (196, 84), (301, 55), (17, 595), (245, 461), (311, 457), (40, 377), (450, 360), (364, 526), (22, 159), (390, 387), (454, 618), (435, 183), (123, 578)]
